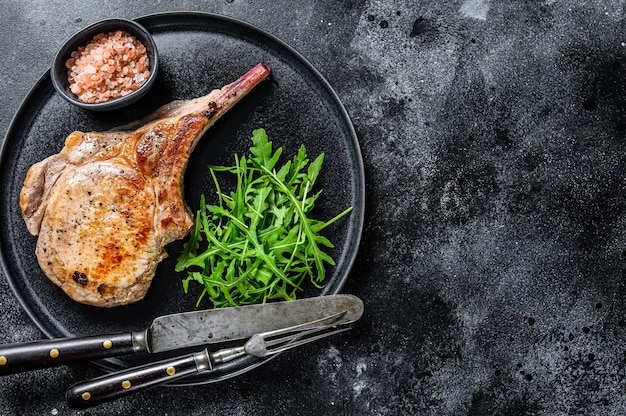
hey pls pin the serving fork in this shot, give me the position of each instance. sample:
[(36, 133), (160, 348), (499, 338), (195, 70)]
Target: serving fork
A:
[(122, 383)]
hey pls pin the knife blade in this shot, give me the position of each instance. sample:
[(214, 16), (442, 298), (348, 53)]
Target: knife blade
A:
[(177, 331)]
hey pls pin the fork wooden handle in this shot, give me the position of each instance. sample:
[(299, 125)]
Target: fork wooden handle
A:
[(123, 383)]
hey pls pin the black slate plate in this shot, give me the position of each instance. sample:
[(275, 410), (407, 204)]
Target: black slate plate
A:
[(198, 52)]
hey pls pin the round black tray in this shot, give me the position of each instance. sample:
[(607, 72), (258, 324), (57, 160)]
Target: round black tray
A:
[(198, 52)]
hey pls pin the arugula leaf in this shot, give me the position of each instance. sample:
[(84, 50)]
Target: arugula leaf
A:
[(258, 242)]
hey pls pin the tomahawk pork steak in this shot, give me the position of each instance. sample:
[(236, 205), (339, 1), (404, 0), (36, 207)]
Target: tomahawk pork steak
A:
[(108, 203)]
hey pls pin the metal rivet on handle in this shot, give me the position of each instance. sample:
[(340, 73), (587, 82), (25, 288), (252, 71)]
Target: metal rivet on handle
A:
[(54, 353), (85, 396), (107, 344), (3, 360), (125, 384), (170, 371)]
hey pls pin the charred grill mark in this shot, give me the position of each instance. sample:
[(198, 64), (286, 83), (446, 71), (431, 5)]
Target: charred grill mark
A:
[(162, 196), (134, 180), (212, 110), (80, 278)]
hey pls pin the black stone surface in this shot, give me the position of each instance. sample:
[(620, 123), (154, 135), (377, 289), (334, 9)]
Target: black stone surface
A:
[(493, 259)]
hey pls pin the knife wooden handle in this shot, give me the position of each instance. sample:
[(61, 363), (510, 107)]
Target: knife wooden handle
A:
[(122, 383), (15, 358)]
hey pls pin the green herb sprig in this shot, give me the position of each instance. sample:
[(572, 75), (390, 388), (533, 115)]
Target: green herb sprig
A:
[(258, 243)]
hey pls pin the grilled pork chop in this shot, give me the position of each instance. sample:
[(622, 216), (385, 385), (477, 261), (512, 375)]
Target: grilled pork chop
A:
[(105, 206)]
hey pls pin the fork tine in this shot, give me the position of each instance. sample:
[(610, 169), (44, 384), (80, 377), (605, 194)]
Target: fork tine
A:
[(258, 344), (259, 347), (292, 337), (298, 331), (301, 341), (319, 323)]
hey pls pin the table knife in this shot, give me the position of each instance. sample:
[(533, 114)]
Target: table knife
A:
[(178, 331), (122, 383)]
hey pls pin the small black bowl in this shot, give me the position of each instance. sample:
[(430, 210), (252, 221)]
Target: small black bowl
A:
[(58, 72)]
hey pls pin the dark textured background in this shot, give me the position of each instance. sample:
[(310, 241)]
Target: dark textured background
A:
[(493, 259)]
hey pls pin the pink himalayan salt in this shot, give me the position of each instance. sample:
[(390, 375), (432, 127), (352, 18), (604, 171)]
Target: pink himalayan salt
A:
[(109, 66)]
